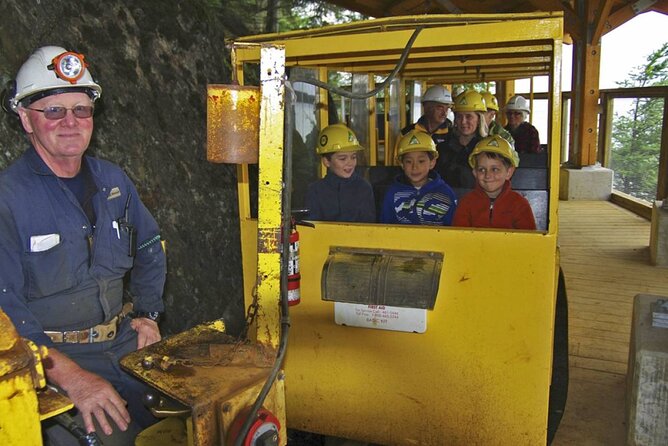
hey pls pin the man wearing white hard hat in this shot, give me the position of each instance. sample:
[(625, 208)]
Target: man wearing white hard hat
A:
[(436, 102), (71, 227)]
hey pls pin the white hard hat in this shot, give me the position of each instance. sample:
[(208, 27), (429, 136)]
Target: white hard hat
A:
[(437, 93), (518, 103), (50, 70)]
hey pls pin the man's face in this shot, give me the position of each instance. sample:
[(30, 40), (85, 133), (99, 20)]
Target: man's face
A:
[(57, 140), (416, 166), (341, 164), (435, 111), (467, 122)]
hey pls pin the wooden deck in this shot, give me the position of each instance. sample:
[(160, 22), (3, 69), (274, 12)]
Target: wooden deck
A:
[(605, 259)]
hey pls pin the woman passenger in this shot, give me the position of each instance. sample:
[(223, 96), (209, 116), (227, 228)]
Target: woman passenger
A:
[(525, 135), (469, 128)]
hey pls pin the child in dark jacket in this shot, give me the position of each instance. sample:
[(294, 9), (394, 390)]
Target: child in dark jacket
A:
[(493, 203), (418, 196), (342, 195)]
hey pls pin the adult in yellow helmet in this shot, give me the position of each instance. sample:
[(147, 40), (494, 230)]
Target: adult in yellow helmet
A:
[(525, 135), (436, 102), (494, 128), (71, 227), (342, 195), (470, 126)]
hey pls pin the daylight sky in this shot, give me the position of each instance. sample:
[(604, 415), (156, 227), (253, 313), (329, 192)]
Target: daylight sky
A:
[(628, 46)]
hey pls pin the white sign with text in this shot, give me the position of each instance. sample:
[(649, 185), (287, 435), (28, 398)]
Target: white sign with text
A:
[(382, 317)]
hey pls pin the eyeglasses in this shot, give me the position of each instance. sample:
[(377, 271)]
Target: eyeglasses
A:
[(58, 112)]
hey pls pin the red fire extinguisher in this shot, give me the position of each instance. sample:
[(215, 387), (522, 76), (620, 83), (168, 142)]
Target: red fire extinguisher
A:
[(294, 294)]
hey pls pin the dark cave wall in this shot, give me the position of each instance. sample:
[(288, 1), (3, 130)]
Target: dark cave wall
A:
[(153, 60)]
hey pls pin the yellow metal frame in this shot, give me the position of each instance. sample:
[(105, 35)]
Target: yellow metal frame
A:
[(481, 372)]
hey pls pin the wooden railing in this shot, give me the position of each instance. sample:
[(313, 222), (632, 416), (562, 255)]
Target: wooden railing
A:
[(606, 115)]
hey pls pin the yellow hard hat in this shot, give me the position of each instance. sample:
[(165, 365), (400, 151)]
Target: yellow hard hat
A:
[(495, 144), (470, 101), (490, 101), (416, 141), (337, 138)]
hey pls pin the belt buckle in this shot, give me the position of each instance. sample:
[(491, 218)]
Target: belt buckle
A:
[(71, 337)]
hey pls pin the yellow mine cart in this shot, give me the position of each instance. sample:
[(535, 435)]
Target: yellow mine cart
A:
[(405, 335)]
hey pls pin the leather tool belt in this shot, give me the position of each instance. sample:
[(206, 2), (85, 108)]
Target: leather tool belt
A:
[(100, 333)]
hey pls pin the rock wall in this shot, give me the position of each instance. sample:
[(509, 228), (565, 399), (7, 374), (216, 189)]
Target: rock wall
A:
[(153, 60)]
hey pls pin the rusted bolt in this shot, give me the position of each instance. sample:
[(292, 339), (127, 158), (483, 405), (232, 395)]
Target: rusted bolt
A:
[(147, 363)]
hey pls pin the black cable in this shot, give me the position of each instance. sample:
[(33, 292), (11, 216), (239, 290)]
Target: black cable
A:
[(375, 91), (69, 423)]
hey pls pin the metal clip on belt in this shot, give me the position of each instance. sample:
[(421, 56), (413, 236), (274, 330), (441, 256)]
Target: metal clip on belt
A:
[(99, 333)]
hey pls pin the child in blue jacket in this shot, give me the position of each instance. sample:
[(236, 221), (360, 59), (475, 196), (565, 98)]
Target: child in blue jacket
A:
[(418, 196), (342, 195)]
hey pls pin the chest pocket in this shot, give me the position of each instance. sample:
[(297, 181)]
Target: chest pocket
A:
[(120, 249), (49, 272)]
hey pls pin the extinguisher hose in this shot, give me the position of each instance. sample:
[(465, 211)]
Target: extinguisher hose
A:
[(286, 222)]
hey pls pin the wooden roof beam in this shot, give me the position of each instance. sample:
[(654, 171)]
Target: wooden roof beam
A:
[(660, 6), (623, 15), (449, 7), (406, 7), (600, 20)]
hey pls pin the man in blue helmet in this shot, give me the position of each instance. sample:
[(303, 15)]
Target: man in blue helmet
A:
[(71, 227)]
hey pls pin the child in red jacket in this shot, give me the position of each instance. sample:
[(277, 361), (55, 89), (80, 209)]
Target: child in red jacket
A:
[(493, 203)]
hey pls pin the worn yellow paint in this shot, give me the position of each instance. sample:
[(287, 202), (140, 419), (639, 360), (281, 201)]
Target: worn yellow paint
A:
[(270, 198), (19, 414), (480, 374), (465, 36), (170, 431), (19, 411)]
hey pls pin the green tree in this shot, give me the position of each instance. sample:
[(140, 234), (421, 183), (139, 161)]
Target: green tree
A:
[(636, 136)]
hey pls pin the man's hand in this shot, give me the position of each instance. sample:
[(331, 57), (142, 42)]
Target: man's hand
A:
[(90, 393), (147, 331)]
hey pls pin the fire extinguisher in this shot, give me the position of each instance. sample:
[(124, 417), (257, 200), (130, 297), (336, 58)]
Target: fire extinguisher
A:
[(294, 294)]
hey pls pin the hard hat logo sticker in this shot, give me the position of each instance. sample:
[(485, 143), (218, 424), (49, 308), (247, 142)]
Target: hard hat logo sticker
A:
[(323, 140), (494, 143), (413, 141)]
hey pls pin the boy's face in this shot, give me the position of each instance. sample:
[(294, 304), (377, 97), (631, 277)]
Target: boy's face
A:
[(416, 166), (342, 164), (491, 174)]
